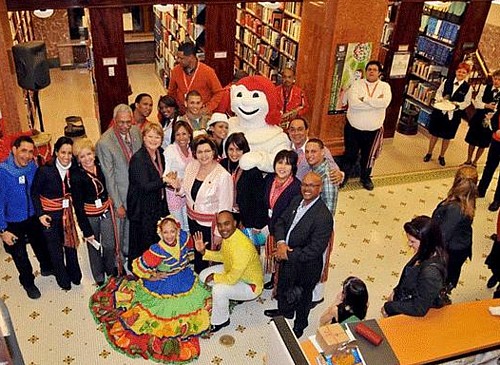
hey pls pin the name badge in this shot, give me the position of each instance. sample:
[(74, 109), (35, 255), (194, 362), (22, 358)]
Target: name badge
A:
[(98, 203), (22, 180), (269, 213), (65, 203)]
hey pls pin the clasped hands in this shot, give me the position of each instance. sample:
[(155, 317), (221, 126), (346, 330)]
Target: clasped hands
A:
[(170, 178), (282, 250)]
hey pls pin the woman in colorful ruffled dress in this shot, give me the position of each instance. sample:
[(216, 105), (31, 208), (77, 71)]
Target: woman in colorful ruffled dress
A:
[(160, 315)]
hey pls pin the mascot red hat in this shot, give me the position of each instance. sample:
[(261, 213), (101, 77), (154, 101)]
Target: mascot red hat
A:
[(265, 85)]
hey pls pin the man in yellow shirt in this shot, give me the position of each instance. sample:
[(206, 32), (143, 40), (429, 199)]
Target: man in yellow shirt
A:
[(239, 277)]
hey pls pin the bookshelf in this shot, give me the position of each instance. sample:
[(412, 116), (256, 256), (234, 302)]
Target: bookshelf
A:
[(438, 35), (21, 26), (267, 39)]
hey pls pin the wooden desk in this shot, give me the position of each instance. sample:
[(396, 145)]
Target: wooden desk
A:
[(449, 332)]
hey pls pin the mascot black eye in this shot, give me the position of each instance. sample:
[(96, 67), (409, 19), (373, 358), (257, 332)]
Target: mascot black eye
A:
[(255, 95), (239, 95)]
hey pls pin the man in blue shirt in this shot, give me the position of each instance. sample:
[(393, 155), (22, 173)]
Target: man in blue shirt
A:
[(18, 222)]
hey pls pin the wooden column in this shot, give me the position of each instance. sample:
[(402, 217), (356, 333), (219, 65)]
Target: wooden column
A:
[(220, 30), (11, 98), (324, 25), (106, 27)]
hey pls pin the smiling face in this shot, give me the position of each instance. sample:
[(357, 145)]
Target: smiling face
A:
[(314, 154), (249, 105), (65, 154), (87, 158), (310, 187), (234, 153), (461, 74), (169, 233), (152, 140), (220, 130), (144, 107), (123, 122), (283, 170), (23, 154), (204, 154), (226, 224), (182, 137), (297, 132), (166, 111), (194, 104)]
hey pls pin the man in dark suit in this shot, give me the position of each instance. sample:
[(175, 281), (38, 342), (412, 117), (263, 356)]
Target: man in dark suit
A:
[(114, 149), (302, 233)]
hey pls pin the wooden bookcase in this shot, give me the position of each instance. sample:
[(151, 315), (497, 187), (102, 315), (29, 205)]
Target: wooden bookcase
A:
[(439, 35), (267, 40)]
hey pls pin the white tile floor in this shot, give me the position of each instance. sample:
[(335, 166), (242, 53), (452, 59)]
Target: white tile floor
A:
[(369, 242)]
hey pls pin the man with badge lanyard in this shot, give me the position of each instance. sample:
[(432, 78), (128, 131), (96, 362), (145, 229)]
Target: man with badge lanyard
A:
[(114, 150), (363, 131), (191, 74), (18, 222)]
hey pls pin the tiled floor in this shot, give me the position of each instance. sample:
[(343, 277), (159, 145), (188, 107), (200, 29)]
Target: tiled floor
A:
[(369, 243)]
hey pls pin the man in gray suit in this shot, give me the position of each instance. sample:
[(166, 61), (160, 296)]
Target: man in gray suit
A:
[(114, 149)]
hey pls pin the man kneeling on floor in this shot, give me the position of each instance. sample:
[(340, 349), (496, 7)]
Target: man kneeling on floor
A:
[(240, 275)]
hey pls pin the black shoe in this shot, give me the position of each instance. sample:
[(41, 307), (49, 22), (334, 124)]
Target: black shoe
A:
[(272, 313), (33, 292), (491, 282), (298, 332), (427, 157), (441, 160), (481, 194), (65, 287), (367, 183), (494, 237), (46, 272), (493, 207), (216, 327), (496, 294), (76, 282), (315, 303), (269, 285)]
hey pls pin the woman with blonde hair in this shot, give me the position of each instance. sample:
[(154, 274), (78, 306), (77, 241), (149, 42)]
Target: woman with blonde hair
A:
[(455, 215)]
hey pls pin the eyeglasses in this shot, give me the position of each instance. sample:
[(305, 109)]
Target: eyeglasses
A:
[(310, 185)]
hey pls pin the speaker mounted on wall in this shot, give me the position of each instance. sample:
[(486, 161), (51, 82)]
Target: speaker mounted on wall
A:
[(32, 68)]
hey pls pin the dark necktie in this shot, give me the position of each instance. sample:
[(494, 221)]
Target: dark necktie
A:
[(128, 142), (456, 83)]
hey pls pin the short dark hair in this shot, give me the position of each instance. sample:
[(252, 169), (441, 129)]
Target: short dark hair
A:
[(193, 93), (290, 157), (376, 63), (239, 140), (304, 120), (168, 101), (139, 97), (318, 141), (188, 48), (17, 142), (204, 139)]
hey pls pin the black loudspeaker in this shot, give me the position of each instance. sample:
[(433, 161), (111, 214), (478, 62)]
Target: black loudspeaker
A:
[(32, 68)]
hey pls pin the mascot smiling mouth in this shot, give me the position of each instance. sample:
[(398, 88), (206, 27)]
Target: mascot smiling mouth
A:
[(248, 113)]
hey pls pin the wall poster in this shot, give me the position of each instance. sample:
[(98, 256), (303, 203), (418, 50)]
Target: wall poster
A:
[(350, 62)]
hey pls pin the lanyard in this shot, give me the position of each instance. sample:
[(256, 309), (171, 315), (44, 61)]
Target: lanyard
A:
[(287, 96), (370, 94), (188, 87), (99, 188), (157, 163)]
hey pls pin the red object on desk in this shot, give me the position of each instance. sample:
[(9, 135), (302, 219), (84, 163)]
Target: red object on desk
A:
[(369, 334)]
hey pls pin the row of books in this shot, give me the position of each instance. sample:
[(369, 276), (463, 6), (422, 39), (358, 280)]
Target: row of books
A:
[(427, 71), (293, 8), (291, 28), (424, 115), (433, 50), (441, 29), (387, 31), (246, 37), (422, 91)]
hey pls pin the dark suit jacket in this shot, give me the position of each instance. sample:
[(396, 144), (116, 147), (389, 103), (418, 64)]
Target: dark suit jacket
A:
[(283, 201), (144, 192), (309, 238)]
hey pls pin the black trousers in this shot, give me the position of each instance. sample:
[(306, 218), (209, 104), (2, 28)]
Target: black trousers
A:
[(28, 231), (64, 259), (357, 142), (456, 259), (142, 235), (492, 162), (305, 276), (199, 263)]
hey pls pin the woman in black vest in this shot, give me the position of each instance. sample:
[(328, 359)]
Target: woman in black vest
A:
[(480, 125), (444, 124)]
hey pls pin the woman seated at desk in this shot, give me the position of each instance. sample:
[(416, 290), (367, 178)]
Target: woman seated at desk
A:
[(423, 278)]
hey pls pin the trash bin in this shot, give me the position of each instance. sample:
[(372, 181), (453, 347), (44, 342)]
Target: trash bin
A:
[(74, 127), (408, 124)]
